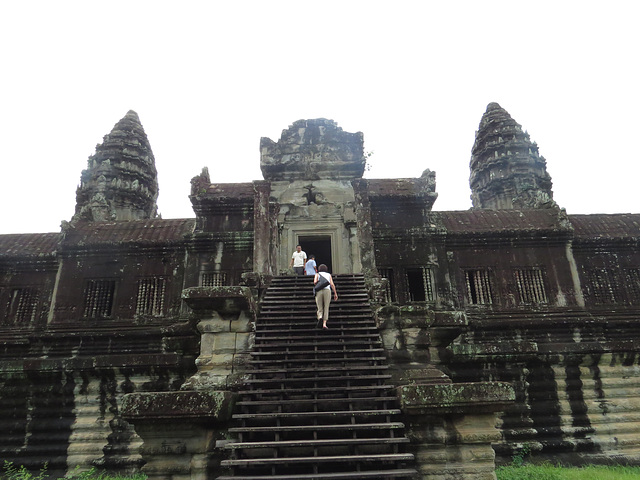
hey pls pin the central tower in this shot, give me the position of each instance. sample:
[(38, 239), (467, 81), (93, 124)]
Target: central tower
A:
[(310, 170)]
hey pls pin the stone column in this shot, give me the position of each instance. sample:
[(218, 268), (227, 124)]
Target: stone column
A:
[(414, 337), (227, 318), (365, 231), (452, 426), (262, 263), (181, 431)]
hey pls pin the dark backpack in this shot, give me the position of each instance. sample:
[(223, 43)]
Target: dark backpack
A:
[(322, 282)]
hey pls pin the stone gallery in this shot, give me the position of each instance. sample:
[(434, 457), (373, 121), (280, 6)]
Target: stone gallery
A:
[(189, 349)]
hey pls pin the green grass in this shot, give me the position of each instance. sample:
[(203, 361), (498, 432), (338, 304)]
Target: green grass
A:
[(11, 472), (518, 471), (552, 472)]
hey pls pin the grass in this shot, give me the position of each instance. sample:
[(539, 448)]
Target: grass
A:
[(553, 472), (517, 471), (11, 472)]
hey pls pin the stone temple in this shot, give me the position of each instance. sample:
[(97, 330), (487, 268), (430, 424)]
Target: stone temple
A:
[(188, 349)]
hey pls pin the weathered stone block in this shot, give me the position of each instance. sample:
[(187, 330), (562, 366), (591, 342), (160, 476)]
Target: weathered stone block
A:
[(450, 319), (421, 373), (205, 363), (477, 429), (215, 406), (242, 342), (244, 323), (391, 339), (416, 338), (220, 299), (405, 316), (214, 325), (431, 454), (214, 378), (457, 397), (224, 343)]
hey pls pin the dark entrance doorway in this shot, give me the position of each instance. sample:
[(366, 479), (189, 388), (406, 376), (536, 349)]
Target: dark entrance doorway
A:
[(320, 246)]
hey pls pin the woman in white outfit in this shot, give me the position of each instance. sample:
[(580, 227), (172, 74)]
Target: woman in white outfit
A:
[(323, 297)]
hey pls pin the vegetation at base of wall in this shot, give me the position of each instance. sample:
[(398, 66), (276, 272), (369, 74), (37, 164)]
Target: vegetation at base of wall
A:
[(554, 472), (11, 472)]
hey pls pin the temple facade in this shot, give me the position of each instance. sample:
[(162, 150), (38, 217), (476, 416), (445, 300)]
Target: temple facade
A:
[(514, 293)]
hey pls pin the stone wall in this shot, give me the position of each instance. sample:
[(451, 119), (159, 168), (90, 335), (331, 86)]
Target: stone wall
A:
[(576, 379), (61, 393), (543, 301), (91, 315)]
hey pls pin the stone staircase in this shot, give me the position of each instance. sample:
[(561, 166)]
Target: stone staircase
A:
[(316, 406)]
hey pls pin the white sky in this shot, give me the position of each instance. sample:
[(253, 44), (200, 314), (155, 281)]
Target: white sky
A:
[(208, 79)]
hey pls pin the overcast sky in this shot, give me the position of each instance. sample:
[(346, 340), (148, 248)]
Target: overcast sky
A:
[(208, 79)]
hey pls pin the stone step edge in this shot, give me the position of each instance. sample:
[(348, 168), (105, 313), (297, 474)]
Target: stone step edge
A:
[(313, 400), (382, 457), (312, 428), (341, 413), (317, 443), (383, 474)]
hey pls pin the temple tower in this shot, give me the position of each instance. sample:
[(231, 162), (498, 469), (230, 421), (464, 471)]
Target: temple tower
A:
[(310, 171), (506, 170), (120, 182)]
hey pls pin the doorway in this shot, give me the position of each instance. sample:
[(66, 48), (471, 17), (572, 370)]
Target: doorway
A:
[(320, 247)]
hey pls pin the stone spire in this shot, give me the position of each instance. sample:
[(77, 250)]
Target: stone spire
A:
[(120, 182), (506, 170)]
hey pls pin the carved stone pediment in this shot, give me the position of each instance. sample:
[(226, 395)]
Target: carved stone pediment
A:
[(312, 150)]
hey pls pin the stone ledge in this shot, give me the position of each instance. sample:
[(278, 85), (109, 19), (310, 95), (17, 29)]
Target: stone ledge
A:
[(494, 349), (211, 406), (467, 398), (226, 299), (95, 362), (453, 319)]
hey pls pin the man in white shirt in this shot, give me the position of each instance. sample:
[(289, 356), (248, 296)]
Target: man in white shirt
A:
[(298, 259)]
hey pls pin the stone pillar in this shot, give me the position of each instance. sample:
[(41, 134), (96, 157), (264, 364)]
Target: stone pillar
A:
[(452, 426), (414, 337), (365, 231), (262, 263), (227, 318), (181, 431)]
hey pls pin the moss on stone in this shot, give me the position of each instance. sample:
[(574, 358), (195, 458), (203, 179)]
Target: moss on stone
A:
[(212, 405)]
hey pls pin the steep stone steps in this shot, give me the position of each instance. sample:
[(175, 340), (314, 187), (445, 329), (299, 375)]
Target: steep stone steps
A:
[(320, 342), (334, 415), (302, 381), (366, 352), (317, 405), (316, 428), (338, 321), (306, 329), (317, 370), (307, 392), (377, 474), (315, 362)]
